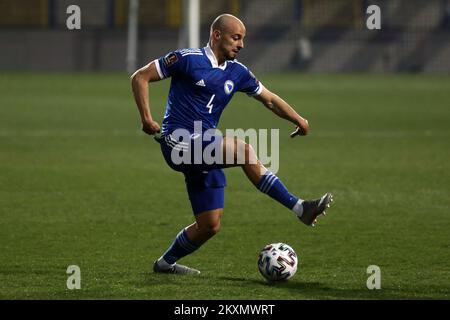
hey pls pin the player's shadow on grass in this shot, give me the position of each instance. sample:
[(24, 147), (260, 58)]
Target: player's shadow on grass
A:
[(316, 290), (285, 284)]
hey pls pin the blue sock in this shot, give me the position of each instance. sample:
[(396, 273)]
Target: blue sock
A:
[(271, 185), (179, 248)]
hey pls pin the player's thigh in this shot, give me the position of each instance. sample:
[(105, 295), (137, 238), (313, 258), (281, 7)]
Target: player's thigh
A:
[(237, 152)]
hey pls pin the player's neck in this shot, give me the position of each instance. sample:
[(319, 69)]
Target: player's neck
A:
[(220, 59)]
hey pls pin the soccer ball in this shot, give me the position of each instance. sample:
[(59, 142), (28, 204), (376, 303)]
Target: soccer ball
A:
[(277, 262)]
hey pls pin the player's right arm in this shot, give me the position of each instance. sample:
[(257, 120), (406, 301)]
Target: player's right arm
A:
[(250, 85), (139, 84), (282, 109)]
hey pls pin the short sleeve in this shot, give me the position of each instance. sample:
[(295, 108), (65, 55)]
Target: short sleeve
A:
[(249, 84), (171, 64)]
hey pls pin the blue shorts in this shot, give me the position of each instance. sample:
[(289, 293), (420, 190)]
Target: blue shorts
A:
[(205, 182)]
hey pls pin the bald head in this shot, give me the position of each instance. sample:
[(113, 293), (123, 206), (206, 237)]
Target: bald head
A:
[(225, 22), (226, 37)]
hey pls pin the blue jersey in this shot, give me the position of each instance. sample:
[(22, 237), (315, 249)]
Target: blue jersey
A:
[(200, 89)]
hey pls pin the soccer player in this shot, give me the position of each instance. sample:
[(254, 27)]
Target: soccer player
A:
[(203, 81)]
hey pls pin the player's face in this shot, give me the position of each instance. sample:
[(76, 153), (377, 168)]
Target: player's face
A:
[(232, 41)]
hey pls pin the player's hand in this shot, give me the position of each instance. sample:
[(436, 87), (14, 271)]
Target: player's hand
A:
[(301, 129), (150, 127)]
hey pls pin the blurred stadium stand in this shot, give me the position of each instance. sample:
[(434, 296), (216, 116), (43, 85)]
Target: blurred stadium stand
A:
[(305, 35)]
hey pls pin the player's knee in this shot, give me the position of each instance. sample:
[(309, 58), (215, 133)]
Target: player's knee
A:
[(210, 230), (214, 229)]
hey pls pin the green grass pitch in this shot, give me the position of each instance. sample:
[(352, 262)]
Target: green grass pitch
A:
[(81, 185)]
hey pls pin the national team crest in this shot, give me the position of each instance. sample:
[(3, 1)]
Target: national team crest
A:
[(228, 86)]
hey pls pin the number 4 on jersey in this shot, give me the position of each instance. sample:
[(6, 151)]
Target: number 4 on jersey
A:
[(210, 105)]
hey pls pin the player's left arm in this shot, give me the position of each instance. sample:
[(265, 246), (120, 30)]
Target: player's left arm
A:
[(281, 108)]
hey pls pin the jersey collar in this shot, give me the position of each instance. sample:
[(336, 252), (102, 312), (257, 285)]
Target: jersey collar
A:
[(212, 58)]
